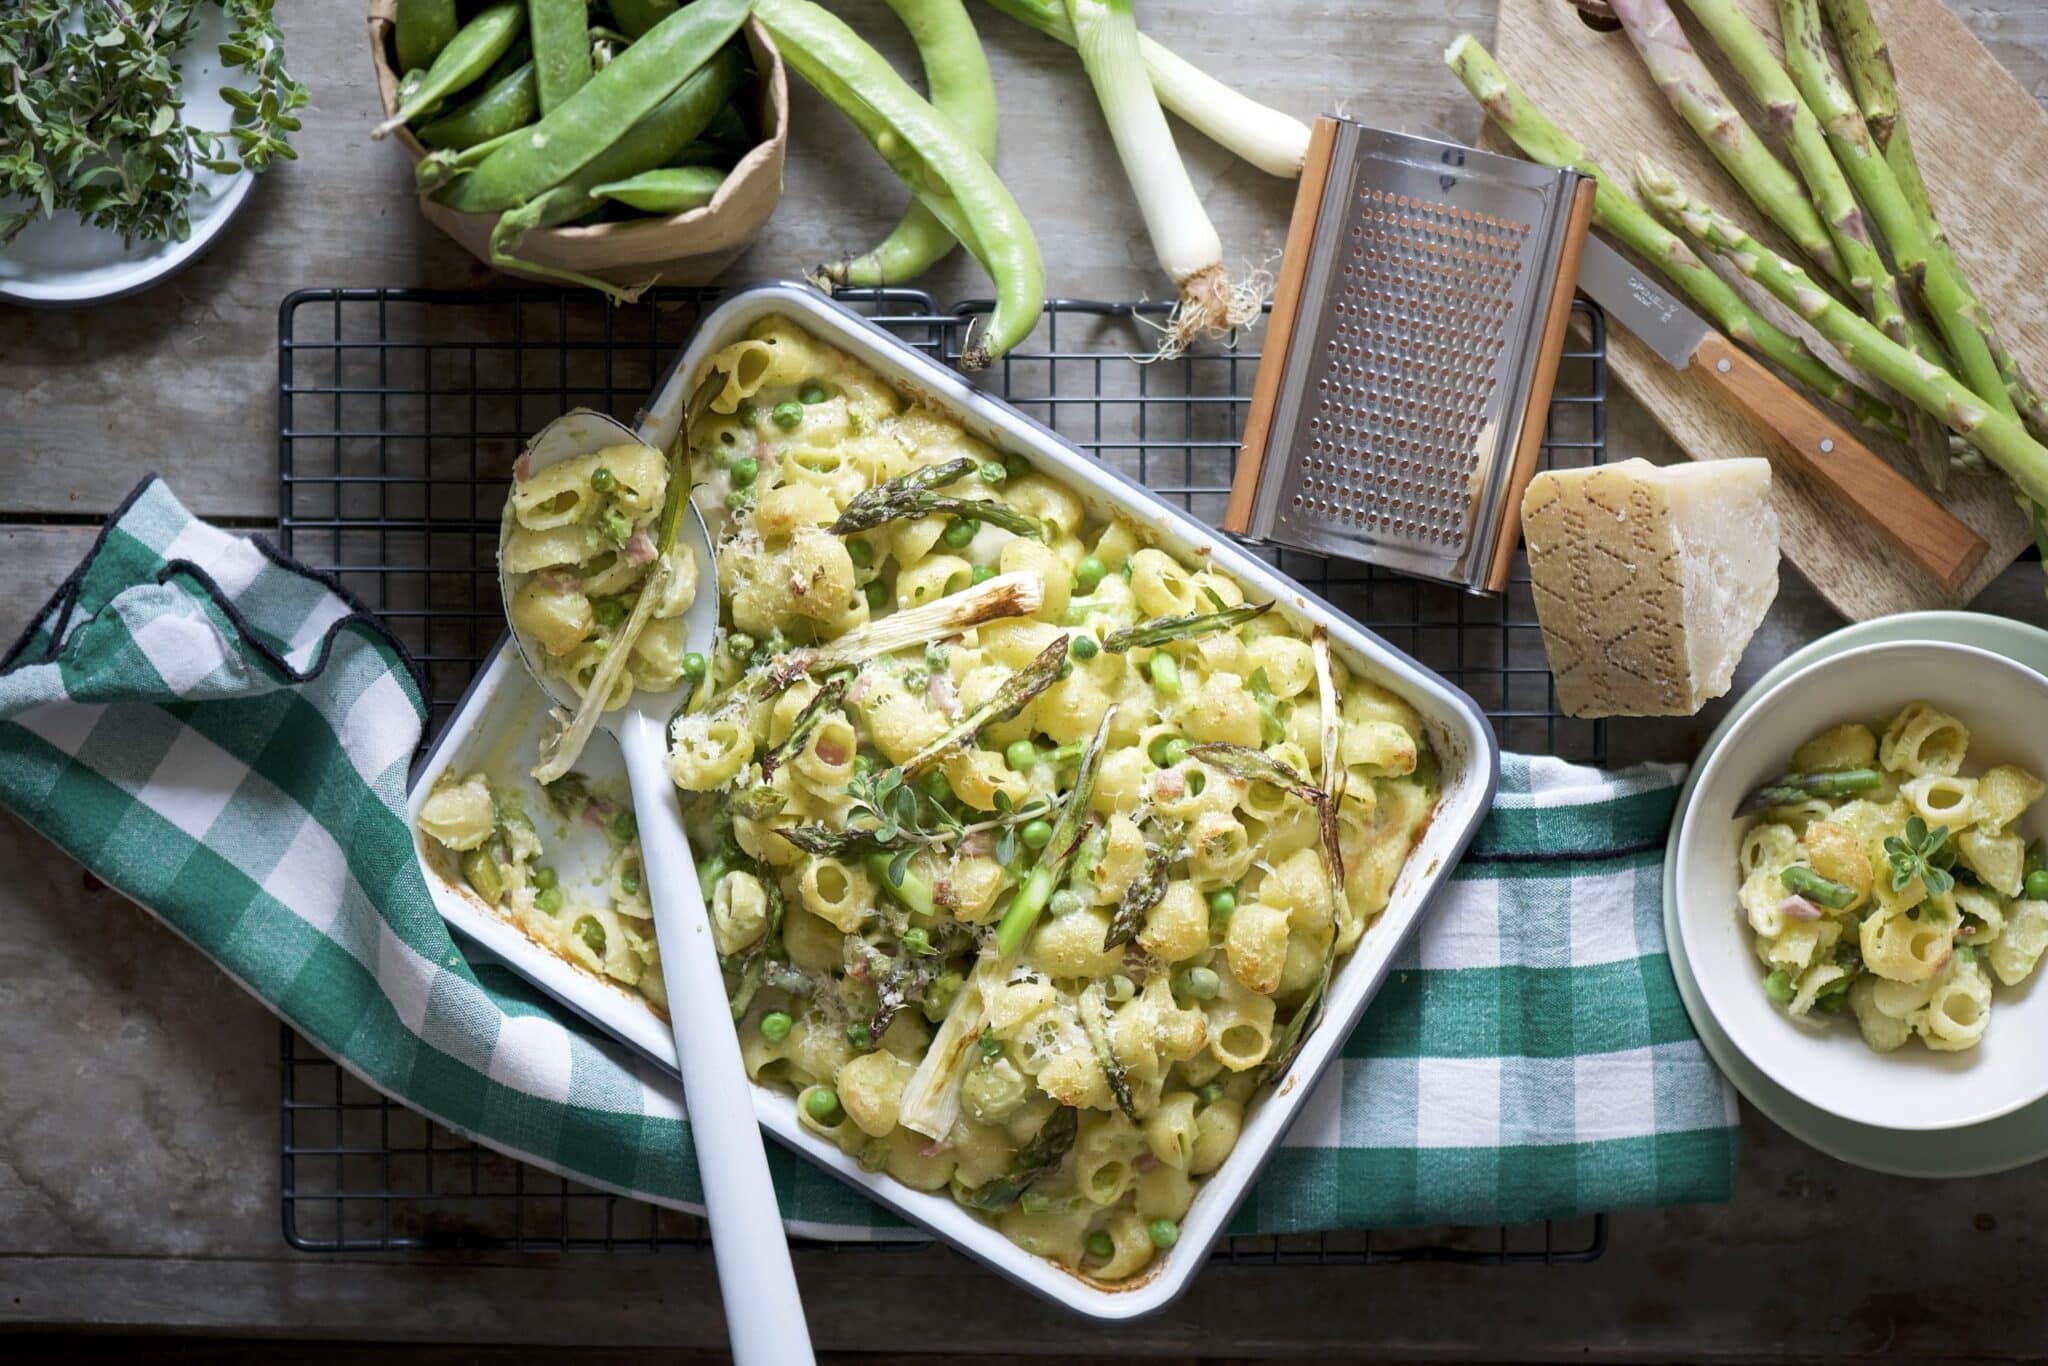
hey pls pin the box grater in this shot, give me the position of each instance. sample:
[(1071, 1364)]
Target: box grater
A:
[(1415, 335)]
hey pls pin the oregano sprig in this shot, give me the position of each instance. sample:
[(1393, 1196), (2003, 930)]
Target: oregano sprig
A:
[(92, 110)]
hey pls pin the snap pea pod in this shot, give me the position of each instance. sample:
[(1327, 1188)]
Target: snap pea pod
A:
[(638, 16), (469, 54), (921, 145), (672, 125), (582, 127), (729, 129), (561, 48), (424, 28), (438, 168), (504, 107), (667, 190), (956, 72)]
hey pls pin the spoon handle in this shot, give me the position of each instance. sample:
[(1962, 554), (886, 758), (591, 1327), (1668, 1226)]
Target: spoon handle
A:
[(763, 1315)]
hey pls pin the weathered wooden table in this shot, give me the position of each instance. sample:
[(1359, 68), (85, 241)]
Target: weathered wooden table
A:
[(138, 1088)]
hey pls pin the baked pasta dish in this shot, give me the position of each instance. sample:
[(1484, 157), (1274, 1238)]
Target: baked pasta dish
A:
[(1884, 884), (1031, 848)]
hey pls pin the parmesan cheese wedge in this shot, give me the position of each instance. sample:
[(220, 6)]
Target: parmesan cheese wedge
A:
[(1650, 580)]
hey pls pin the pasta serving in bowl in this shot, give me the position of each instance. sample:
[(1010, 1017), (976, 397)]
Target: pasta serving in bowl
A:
[(1050, 845), (1872, 933), (1883, 883)]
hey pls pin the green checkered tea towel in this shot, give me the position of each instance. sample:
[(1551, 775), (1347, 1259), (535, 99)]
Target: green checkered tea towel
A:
[(224, 736)]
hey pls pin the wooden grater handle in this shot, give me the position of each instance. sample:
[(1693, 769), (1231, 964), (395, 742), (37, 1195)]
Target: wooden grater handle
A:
[(1931, 536)]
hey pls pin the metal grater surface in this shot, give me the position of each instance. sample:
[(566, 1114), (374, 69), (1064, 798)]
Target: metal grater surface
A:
[(1413, 352)]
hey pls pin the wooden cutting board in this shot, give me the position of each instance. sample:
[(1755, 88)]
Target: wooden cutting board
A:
[(1983, 144)]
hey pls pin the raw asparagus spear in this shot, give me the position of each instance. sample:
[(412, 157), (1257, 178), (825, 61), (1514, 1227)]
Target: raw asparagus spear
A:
[(1510, 107), (1998, 434), (1941, 288), (1698, 98), (1877, 93), (1864, 270)]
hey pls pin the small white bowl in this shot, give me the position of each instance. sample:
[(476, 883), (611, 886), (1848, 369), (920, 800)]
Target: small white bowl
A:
[(1827, 1064)]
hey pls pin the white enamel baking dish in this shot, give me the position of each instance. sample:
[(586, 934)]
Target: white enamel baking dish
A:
[(500, 704)]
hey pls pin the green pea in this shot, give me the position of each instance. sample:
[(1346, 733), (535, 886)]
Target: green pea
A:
[(860, 1036), (609, 612), (1021, 755), (1036, 834), (982, 574), (623, 826), (629, 882), (812, 392), (1100, 1245), (592, 935), (1778, 986), (1163, 1232), (1084, 648), (938, 997), (991, 472), (695, 666), (1064, 902), (739, 645), (1222, 903), (860, 552), (788, 415), (544, 878), (1089, 573), (1016, 466), (821, 1103), (1176, 751), (917, 941), (1209, 1093), (1165, 674), (2037, 886), (1156, 750), (548, 901), (878, 595), (746, 414), (1200, 984), (744, 471), (935, 785), (775, 1026), (603, 480), (960, 532), (739, 502)]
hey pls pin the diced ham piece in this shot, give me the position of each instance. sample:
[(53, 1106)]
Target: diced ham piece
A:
[(1799, 908), (978, 842), (938, 690), (1169, 784), (639, 547)]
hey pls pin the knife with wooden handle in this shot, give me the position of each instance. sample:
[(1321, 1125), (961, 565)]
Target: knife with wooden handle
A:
[(1930, 535)]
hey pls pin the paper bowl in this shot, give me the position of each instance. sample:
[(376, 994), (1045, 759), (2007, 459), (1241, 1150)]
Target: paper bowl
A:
[(1827, 1064), (683, 249)]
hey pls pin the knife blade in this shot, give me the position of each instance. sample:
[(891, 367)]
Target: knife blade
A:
[(1894, 505)]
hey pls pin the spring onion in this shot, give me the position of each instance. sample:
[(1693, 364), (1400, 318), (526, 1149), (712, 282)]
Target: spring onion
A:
[(1191, 253), (1274, 142)]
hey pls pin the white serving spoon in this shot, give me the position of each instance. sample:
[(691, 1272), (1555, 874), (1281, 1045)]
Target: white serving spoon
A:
[(763, 1314)]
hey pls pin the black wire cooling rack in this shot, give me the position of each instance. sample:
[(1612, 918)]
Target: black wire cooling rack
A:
[(400, 412)]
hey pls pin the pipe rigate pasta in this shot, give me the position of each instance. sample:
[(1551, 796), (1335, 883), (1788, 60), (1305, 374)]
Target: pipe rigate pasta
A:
[(1894, 893)]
